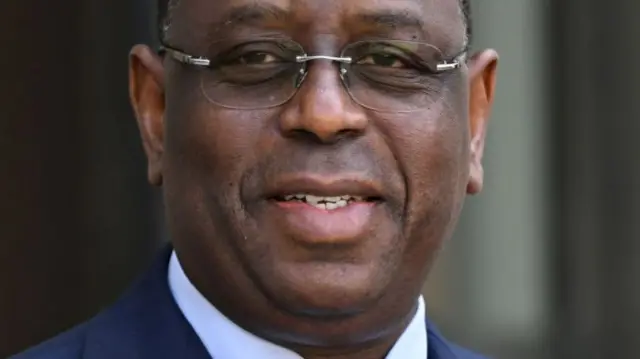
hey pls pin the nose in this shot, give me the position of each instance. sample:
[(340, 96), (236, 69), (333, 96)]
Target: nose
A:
[(322, 109)]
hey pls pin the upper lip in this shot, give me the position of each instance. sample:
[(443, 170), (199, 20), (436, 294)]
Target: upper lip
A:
[(325, 186)]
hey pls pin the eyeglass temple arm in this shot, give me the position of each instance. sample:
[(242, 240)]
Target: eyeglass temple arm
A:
[(455, 62), (183, 57)]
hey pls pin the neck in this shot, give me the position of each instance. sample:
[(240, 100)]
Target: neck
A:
[(378, 351), (374, 349)]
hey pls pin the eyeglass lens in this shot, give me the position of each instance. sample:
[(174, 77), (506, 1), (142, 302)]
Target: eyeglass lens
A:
[(389, 75)]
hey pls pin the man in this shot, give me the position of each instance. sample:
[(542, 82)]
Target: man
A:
[(314, 156)]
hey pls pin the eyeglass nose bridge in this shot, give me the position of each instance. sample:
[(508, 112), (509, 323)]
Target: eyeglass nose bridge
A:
[(307, 58), (303, 59)]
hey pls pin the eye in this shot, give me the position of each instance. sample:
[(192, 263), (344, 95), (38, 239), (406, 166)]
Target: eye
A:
[(256, 58), (383, 60)]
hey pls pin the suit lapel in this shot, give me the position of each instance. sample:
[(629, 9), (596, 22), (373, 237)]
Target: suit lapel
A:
[(145, 323), (438, 346), (441, 348)]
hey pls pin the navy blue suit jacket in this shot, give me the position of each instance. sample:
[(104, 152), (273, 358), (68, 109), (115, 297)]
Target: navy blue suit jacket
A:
[(146, 323)]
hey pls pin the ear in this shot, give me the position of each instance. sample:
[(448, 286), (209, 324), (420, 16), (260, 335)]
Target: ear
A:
[(146, 92), (482, 81)]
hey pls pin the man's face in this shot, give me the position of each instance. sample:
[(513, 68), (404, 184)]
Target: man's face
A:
[(245, 189)]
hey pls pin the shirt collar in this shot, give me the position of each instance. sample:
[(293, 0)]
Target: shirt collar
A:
[(224, 339)]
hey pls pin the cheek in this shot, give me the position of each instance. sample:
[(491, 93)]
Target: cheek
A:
[(212, 145), (432, 151), (207, 152), (205, 142)]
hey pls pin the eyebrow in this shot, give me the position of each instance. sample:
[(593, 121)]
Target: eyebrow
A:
[(256, 14), (252, 14), (393, 19)]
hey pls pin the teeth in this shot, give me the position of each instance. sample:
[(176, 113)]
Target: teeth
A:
[(314, 200), (327, 203), (334, 205)]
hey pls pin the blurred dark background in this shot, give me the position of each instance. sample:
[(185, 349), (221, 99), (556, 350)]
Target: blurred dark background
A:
[(545, 263)]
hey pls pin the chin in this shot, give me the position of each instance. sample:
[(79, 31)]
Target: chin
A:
[(325, 289)]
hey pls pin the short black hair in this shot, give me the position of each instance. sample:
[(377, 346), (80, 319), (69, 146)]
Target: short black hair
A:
[(164, 15)]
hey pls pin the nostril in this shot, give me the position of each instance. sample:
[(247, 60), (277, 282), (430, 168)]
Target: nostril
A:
[(303, 135), (348, 132), (326, 138)]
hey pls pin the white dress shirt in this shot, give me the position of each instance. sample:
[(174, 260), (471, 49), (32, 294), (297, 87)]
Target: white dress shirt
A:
[(224, 339)]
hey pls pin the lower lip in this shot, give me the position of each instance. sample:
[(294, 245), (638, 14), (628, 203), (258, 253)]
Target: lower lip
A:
[(315, 225)]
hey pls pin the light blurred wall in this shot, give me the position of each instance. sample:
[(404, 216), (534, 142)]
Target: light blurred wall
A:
[(597, 163), (491, 288)]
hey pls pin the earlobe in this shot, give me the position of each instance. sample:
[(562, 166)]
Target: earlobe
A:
[(146, 91), (482, 80)]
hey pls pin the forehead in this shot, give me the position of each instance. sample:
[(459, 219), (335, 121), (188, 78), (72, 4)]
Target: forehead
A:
[(433, 20)]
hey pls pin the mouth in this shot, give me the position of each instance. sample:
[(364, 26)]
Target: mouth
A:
[(321, 210), (327, 203), (326, 193)]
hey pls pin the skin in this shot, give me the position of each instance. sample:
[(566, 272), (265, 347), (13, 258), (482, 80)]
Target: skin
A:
[(215, 165)]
